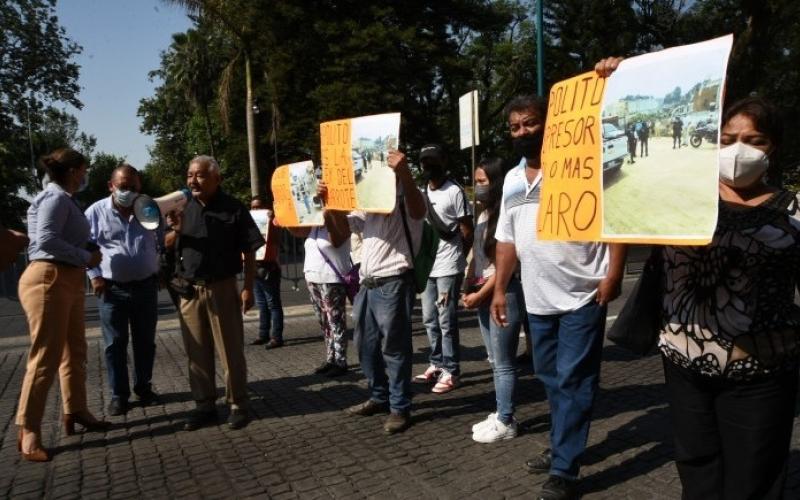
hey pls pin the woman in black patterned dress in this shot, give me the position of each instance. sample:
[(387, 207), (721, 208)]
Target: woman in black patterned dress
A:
[(730, 330)]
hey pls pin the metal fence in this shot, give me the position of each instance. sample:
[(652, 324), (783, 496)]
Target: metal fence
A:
[(291, 254)]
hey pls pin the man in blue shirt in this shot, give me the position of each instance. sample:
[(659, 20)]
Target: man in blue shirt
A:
[(126, 285)]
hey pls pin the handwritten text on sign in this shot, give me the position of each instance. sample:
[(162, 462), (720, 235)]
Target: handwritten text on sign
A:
[(572, 161), (285, 212), (337, 164)]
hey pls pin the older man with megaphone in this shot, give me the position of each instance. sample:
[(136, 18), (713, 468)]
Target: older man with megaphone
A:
[(215, 234)]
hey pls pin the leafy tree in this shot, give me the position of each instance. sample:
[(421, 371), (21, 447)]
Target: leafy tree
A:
[(36, 69)]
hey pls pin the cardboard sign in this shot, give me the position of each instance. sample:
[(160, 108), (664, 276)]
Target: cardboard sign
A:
[(262, 222), (468, 119), (633, 158), (294, 193), (355, 162)]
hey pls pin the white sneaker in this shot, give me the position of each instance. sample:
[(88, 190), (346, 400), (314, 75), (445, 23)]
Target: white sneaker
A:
[(496, 431), (483, 423)]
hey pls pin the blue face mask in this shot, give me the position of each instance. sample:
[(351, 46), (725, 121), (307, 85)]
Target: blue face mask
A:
[(124, 197)]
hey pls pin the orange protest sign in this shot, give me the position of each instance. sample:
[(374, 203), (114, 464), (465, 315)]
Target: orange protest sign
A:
[(294, 193), (355, 162), (570, 208)]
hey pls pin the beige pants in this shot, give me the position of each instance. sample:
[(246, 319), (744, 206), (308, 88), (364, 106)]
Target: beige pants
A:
[(214, 318), (52, 296)]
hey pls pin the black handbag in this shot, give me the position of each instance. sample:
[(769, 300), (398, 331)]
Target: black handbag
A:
[(639, 322)]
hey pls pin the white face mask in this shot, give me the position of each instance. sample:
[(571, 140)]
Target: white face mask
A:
[(741, 165), (124, 198)]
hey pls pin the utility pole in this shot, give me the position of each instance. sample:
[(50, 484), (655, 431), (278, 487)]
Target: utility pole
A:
[(540, 48)]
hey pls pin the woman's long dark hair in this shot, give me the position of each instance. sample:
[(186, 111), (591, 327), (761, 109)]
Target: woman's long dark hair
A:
[(493, 168)]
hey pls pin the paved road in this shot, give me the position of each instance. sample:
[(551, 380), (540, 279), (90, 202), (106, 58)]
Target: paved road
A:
[(301, 444)]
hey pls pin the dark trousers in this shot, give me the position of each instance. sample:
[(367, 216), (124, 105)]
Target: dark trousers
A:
[(135, 306), (567, 349), (731, 438), (270, 309)]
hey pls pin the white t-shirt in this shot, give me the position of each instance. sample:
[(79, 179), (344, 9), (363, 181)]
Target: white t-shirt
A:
[(384, 250), (315, 268), (557, 276), (481, 265), (450, 204)]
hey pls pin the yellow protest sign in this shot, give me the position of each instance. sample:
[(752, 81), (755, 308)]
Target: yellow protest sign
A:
[(355, 162), (633, 158)]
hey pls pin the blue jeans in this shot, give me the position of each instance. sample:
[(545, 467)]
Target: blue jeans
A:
[(270, 308), (136, 305), (440, 316), (501, 346), (382, 334), (567, 349)]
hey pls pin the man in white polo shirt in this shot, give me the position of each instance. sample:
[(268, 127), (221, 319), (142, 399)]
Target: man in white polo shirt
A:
[(382, 308), (450, 215), (566, 286)]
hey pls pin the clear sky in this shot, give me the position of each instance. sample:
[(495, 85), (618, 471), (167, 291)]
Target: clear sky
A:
[(121, 43)]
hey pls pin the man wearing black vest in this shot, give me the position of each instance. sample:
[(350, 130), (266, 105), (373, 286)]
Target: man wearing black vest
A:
[(450, 214)]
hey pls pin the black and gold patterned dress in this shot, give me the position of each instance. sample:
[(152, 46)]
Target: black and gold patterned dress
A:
[(728, 307)]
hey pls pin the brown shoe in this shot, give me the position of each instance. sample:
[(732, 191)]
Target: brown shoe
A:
[(37, 454), (396, 422), (273, 344), (368, 408)]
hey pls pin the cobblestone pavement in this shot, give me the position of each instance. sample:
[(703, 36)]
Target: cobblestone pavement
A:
[(301, 445)]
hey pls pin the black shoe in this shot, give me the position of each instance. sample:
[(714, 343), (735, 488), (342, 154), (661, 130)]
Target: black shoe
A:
[(273, 344), (368, 408), (336, 371), (524, 359), (323, 368), (559, 488), (149, 398), (258, 342), (541, 463), (238, 419), (396, 422), (198, 419), (117, 407)]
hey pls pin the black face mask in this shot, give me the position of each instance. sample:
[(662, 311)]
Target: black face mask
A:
[(529, 146), (432, 172), (483, 194)]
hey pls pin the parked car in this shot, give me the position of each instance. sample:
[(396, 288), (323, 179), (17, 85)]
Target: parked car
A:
[(615, 147)]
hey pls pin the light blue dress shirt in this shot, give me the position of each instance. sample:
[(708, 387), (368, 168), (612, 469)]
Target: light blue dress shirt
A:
[(130, 252), (57, 228)]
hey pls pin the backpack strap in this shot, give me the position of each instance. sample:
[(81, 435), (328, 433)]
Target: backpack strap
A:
[(445, 232)]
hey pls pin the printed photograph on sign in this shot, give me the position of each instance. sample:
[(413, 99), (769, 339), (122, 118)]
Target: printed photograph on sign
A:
[(371, 139), (308, 206), (660, 128), (262, 222)]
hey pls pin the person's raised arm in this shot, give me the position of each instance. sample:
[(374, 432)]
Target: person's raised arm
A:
[(415, 204), (335, 220)]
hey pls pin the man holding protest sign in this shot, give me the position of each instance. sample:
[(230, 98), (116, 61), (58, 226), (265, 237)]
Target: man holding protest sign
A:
[(382, 308), (566, 286), (450, 215)]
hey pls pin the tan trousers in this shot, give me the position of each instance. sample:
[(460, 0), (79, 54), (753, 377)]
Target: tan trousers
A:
[(214, 318), (52, 296)]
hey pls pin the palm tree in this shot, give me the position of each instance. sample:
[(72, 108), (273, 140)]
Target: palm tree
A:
[(190, 67), (235, 17)]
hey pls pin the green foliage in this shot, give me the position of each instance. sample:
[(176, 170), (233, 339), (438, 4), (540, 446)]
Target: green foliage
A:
[(36, 70), (321, 60)]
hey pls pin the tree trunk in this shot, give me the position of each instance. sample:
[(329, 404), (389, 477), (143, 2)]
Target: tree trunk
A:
[(255, 184)]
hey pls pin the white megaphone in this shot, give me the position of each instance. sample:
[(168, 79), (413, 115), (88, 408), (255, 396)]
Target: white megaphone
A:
[(148, 211)]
